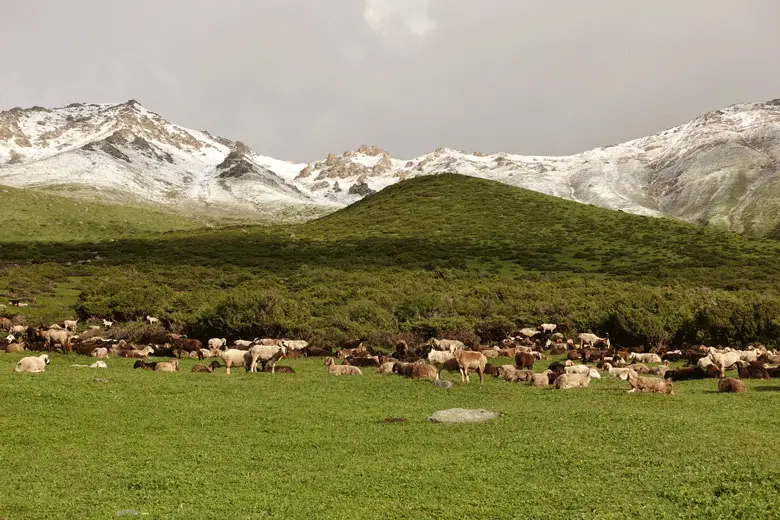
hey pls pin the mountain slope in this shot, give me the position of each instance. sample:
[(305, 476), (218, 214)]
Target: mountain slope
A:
[(720, 169)]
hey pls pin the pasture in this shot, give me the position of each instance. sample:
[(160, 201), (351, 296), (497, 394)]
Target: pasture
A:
[(309, 445)]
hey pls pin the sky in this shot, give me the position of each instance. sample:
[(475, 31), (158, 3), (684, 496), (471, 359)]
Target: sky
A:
[(297, 79)]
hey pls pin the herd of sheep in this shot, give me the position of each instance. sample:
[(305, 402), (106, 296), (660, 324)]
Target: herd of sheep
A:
[(588, 357)]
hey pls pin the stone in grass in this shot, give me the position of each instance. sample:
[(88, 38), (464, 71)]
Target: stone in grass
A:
[(462, 415), (442, 383)]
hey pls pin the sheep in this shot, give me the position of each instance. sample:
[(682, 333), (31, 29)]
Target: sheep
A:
[(422, 370), (295, 344), (644, 358), (15, 347), (385, 368), (579, 369), (371, 361), (690, 373), (647, 384), (32, 364), (620, 373), (217, 343), (748, 355), (639, 368), (108, 324), (152, 320), (529, 332), (752, 370), (19, 329), (10, 338), (660, 370), (53, 336), (445, 344), (96, 364), (6, 324), (490, 353), (341, 370), (672, 355), (70, 324), (728, 384), (144, 365), (468, 359), (242, 344), (768, 357), (167, 366), (548, 328), (100, 352), (512, 374), (207, 368), (567, 381), (234, 357), (438, 358), (587, 338), (723, 360), (265, 354), (525, 360), (136, 353), (541, 379)]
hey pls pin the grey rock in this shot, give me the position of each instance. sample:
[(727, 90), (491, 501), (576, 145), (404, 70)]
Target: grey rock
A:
[(462, 415)]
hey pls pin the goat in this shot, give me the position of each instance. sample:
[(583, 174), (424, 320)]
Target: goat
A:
[(341, 370), (469, 360)]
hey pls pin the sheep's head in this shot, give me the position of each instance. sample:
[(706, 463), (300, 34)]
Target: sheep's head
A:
[(45, 359), (328, 361)]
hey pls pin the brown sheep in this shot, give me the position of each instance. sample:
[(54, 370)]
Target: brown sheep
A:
[(646, 384), (14, 347), (728, 384), (144, 365), (468, 360), (372, 361), (341, 370), (752, 370), (513, 375), (207, 368), (492, 370), (524, 360)]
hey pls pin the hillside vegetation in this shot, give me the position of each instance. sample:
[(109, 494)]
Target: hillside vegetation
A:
[(442, 254)]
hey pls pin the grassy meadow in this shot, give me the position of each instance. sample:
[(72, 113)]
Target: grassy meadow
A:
[(444, 255), (309, 445)]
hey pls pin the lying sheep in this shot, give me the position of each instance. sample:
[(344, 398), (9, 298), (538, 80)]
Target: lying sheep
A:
[(96, 364), (513, 374), (144, 365), (728, 384), (567, 381), (341, 370), (15, 347), (33, 364), (752, 370), (644, 358), (541, 379), (136, 353), (279, 369), (386, 368), (100, 352), (691, 373), (646, 384), (207, 368), (167, 366), (639, 368), (620, 373), (660, 370)]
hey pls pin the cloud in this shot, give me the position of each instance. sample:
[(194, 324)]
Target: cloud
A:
[(388, 18)]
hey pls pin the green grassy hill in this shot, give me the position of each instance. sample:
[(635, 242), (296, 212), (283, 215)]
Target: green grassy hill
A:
[(432, 255)]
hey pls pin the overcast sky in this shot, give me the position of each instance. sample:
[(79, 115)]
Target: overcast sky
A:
[(296, 79)]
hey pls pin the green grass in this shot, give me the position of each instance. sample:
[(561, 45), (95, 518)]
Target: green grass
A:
[(310, 445), (437, 254)]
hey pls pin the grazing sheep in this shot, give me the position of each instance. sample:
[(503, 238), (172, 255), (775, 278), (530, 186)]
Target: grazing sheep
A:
[(467, 360), (647, 384), (167, 366), (32, 364), (295, 344), (217, 343), (144, 365), (525, 360), (70, 324), (438, 358), (100, 352), (341, 370), (386, 368), (207, 368), (644, 358), (541, 379), (567, 381), (54, 336), (752, 370), (152, 320), (266, 354), (728, 384)]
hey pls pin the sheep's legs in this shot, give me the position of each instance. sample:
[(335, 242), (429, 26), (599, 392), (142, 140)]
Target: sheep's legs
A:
[(481, 372)]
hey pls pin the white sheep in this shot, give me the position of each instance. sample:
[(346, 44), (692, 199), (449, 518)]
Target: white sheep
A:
[(217, 343), (540, 379), (385, 368), (567, 381), (620, 373), (586, 338), (152, 320), (235, 357), (529, 332), (548, 328), (295, 344), (266, 354), (70, 324), (33, 364), (723, 360), (19, 329), (341, 370), (446, 344), (167, 366), (644, 358), (100, 352), (438, 358), (108, 324), (242, 344)]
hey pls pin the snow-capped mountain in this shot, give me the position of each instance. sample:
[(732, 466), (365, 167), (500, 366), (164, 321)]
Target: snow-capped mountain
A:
[(721, 168)]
